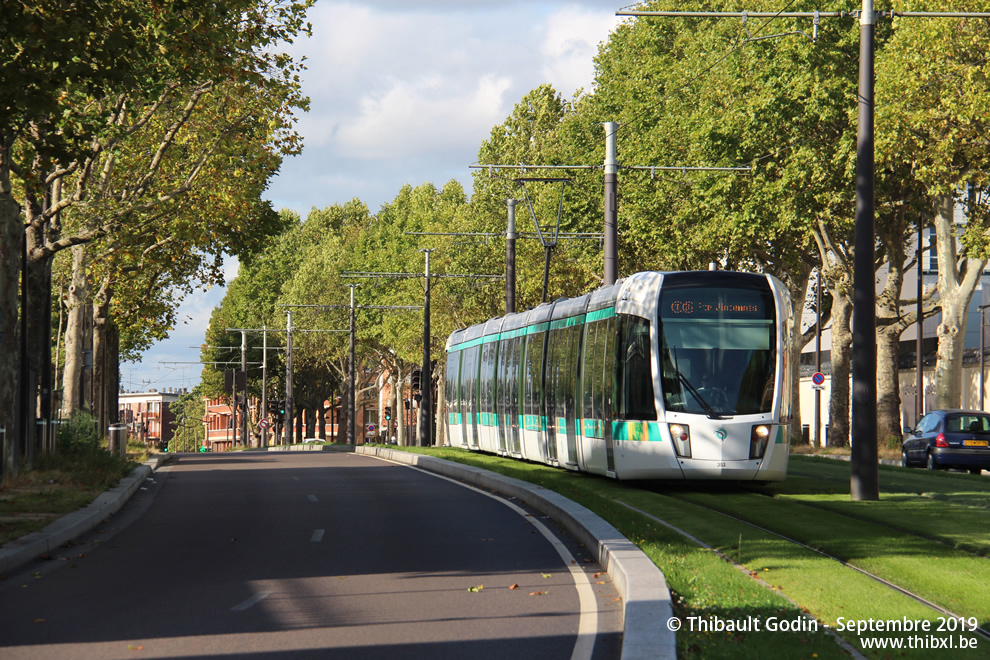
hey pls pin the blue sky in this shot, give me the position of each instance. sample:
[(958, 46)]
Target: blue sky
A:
[(402, 91)]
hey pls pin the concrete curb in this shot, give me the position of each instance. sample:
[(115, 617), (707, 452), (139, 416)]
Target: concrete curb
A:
[(646, 598), (71, 526)]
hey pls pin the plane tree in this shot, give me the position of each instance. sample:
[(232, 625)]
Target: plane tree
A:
[(72, 137), (932, 124)]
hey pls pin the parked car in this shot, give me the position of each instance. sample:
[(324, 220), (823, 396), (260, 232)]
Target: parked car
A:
[(949, 439)]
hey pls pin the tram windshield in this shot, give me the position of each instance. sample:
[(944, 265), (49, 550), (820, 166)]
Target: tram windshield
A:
[(718, 344)]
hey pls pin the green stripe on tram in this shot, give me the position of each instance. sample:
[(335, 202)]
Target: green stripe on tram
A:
[(580, 319), (601, 314)]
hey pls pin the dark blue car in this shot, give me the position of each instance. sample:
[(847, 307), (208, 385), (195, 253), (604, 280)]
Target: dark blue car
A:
[(949, 439)]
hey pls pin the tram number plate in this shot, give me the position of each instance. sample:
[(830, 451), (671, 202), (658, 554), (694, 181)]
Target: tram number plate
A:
[(975, 443)]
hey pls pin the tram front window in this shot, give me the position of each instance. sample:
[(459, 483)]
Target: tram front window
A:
[(718, 344)]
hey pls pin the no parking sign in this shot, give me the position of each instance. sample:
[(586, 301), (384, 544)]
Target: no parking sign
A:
[(818, 380)]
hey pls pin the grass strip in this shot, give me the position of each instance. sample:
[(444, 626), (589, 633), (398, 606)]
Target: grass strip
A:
[(954, 579)]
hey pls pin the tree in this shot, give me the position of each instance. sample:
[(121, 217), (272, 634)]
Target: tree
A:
[(133, 56), (934, 122)]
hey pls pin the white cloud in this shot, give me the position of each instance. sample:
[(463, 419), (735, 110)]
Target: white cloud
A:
[(418, 117), (570, 43)]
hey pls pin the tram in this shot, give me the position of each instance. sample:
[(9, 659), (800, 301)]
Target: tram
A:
[(663, 375)]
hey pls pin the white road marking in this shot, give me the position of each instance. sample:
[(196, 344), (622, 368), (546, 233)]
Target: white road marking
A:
[(317, 536), (251, 602), (588, 616)]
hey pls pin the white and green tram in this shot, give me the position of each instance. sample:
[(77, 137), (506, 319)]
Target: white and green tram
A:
[(680, 375)]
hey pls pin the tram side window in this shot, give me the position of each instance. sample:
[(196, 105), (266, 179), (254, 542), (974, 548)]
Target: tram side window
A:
[(635, 376), (469, 378), (488, 355), (450, 390), (599, 351), (533, 377)]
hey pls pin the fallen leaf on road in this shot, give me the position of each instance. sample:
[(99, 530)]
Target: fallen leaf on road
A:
[(39, 620), (539, 593), (547, 575), (475, 590), (134, 648), (513, 586)]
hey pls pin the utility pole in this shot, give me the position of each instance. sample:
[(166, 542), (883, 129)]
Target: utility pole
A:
[(426, 404), (510, 259), (351, 388), (865, 470), (611, 207), (289, 409)]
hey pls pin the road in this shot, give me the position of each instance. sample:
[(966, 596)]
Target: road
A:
[(313, 554)]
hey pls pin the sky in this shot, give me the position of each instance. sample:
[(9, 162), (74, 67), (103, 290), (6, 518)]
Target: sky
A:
[(401, 92)]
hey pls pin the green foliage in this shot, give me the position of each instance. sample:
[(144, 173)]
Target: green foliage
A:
[(189, 410)]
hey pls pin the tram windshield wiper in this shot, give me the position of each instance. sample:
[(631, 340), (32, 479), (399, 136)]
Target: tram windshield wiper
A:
[(707, 407)]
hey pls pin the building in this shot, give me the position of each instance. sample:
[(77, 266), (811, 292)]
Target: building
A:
[(148, 416)]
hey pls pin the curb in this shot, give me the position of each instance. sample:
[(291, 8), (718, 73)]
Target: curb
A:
[(73, 525), (645, 596)]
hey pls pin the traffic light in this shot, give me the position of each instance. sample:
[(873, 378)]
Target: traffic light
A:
[(388, 412), (416, 379), (281, 408)]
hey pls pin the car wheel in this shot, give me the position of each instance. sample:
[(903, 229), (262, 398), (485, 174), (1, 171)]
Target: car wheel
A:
[(932, 465), (904, 459)]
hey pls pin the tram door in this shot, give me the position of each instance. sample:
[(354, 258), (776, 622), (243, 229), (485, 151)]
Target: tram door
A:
[(597, 379)]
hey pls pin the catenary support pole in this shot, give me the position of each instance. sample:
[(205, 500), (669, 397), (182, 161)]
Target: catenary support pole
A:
[(289, 407), (865, 477), (611, 208), (510, 260), (426, 378)]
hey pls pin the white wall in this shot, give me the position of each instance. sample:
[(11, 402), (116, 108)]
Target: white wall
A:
[(908, 383)]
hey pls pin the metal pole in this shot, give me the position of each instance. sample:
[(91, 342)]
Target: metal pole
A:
[(426, 379), (510, 260), (264, 383), (919, 362), (611, 209), (287, 424), (864, 477), (983, 343), (351, 390), (818, 358), (244, 435)]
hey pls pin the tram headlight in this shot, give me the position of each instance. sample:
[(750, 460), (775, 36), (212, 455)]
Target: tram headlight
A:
[(758, 440), (681, 435)]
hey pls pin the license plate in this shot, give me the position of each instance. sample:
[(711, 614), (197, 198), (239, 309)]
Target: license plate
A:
[(975, 443)]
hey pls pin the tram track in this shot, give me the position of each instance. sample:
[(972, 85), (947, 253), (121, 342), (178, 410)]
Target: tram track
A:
[(880, 580)]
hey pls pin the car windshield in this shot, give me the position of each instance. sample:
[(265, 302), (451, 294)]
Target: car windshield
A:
[(968, 422)]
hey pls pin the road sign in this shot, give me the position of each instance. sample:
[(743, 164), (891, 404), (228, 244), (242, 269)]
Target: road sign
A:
[(263, 423), (818, 380), (371, 428)]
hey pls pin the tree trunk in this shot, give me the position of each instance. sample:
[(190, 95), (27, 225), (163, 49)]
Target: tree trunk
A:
[(75, 334), (310, 423), (441, 404), (957, 280), (321, 421), (11, 238), (838, 405), (101, 356), (888, 386)]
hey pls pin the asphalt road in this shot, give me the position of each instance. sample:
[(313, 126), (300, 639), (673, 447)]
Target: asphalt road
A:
[(324, 555)]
